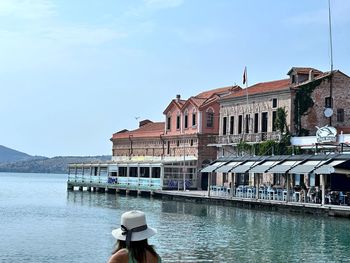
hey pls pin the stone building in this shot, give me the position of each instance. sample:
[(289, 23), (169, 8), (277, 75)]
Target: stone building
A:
[(249, 115), (309, 98), (180, 142)]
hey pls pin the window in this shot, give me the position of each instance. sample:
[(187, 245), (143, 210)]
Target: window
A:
[(293, 79), (191, 142), (178, 122), (177, 143), (194, 118), (210, 118), (264, 122), (340, 115), (224, 125), (274, 116), (168, 123), (168, 147), (256, 122), (186, 120), (247, 118), (328, 102), (240, 123), (274, 103), (232, 124)]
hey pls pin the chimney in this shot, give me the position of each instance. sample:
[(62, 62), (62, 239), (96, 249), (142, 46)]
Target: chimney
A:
[(311, 75), (144, 122), (178, 97)]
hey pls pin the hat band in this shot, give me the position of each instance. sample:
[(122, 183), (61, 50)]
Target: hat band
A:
[(128, 232)]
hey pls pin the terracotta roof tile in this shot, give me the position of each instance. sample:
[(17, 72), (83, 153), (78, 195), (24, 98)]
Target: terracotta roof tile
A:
[(262, 88), (219, 91), (304, 70), (152, 129), (320, 76)]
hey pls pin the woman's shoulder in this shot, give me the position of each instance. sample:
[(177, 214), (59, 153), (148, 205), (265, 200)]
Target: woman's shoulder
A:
[(121, 256)]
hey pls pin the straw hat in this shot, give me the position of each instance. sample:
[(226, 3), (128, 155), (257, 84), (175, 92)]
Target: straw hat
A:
[(133, 227)]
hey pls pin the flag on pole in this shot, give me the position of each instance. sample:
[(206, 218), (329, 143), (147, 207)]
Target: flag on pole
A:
[(245, 75)]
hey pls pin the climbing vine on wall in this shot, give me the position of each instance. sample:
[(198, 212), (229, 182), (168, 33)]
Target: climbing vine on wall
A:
[(244, 148), (302, 103)]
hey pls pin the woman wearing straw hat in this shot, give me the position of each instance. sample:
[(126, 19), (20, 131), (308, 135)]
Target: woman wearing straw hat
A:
[(132, 245)]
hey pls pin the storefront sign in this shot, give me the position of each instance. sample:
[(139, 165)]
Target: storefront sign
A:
[(326, 134)]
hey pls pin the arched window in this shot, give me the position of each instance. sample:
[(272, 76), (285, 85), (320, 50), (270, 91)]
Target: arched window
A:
[(194, 118), (168, 122), (210, 118), (178, 118), (186, 119)]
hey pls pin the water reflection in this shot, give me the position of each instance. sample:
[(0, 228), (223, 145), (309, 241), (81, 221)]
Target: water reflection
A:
[(191, 232)]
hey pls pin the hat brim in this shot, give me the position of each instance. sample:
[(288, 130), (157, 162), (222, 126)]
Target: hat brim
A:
[(136, 236)]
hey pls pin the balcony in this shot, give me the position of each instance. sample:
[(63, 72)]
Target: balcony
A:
[(249, 137)]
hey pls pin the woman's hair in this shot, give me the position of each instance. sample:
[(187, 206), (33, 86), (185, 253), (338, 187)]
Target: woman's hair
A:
[(137, 249)]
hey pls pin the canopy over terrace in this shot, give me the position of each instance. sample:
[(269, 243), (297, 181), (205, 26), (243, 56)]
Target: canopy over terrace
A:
[(321, 164)]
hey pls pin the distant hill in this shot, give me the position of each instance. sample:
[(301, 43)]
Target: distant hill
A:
[(49, 165), (19, 162), (10, 155)]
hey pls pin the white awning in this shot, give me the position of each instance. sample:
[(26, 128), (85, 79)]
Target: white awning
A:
[(329, 168), (263, 167), (307, 167), (283, 167), (245, 167), (212, 167), (227, 167)]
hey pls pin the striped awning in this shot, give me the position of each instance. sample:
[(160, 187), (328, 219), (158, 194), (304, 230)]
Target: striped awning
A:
[(212, 167), (263, 167), (307, 167), (228, 167), (283, 167), (245, 167), (329, 168)]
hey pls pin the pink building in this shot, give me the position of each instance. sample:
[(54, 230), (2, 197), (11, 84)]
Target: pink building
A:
[(181, 142)]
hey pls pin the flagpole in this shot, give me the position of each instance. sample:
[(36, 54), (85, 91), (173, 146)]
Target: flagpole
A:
[(246, 92)]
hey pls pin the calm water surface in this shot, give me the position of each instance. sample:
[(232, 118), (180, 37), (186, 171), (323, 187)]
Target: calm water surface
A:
[(41, 222)]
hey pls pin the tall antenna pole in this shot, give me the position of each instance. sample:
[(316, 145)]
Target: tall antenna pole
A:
[(330, 33), (331, 54)]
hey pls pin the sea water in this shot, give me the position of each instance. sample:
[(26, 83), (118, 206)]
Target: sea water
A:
[(40, 221)]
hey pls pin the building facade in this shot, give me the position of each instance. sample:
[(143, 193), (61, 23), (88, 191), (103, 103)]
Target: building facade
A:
[(180, 142), (309, 98)]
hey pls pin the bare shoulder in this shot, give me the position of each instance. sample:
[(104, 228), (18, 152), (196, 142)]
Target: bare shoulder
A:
[(121, 256)]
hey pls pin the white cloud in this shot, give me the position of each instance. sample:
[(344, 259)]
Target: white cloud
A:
[(163, 4), (148, 7), (203, 35), (83, 35), (27, 9), (339, 13)]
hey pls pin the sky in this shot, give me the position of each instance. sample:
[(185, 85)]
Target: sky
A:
[(72, 73)]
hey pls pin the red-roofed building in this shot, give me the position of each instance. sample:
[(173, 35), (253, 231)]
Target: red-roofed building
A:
[(179, 143), (249, 115)]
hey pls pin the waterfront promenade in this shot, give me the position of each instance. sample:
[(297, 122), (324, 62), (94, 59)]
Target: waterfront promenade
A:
[(272, 205), (224, 198)]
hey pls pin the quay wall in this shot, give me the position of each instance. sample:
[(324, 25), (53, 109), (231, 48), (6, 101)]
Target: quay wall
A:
[(276, 206)]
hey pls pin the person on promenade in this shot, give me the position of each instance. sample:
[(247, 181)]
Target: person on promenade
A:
[(132, 245)]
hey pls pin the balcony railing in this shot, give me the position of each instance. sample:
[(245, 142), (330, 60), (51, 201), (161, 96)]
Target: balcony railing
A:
[(249, 137)]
